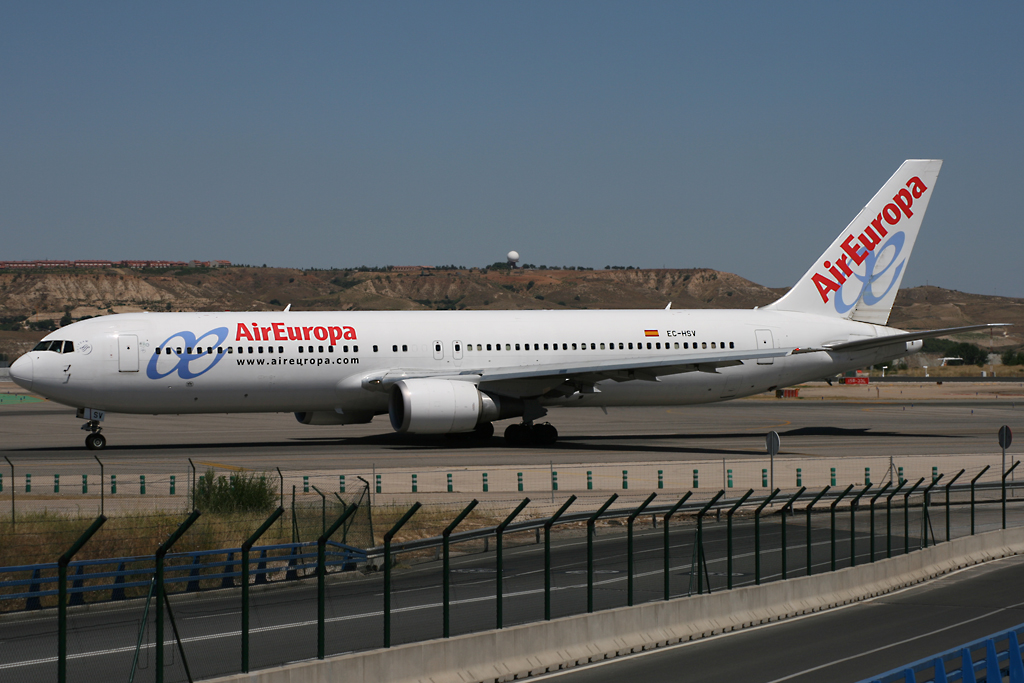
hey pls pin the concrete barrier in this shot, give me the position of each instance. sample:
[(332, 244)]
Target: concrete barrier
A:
[(532, 649)]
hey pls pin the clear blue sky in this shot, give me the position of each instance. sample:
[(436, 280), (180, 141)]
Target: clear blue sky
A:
[(736, 136)]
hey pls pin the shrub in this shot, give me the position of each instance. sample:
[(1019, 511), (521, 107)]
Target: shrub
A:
[(242, 492)]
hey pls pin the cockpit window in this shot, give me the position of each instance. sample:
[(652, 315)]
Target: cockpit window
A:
[(58, 345)]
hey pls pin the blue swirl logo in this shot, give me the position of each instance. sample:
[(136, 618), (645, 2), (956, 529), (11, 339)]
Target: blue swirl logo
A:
[(189, 359), (870, 277)]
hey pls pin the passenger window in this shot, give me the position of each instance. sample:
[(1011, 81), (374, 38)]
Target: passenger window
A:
[(676, 345), (657, 345), (648, 345), (545, 347), (188, 349), (330, 349), (593, 346), (602, 346), (300, 349), (355, 349), (310, 349), (686, 345), (437, 347), (220, 349), (565, 347), (508, 347), (405, 348), (270, 349), (630, 346), (573, 347), (712, 344), (488, 347), (240, 349), (732, 345), (156, 352), (344, 349), (479, 347), (250, 349), (321, 349), (230, 349), (704, 345), (374, 348), (517, 347), (620, 346), (458, 347), (394, 348), (178, 350), (260, 349)]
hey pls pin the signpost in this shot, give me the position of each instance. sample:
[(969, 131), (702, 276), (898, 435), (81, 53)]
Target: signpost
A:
[(1005, 439), (771, 442)]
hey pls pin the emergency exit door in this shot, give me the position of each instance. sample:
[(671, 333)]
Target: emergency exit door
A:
[(765, 342), (127, 353)]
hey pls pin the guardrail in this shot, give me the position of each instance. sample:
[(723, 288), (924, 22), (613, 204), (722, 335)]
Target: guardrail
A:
[(1001, 660), (296, 560)]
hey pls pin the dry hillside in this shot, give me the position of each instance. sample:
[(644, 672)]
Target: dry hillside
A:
[(42, 296)]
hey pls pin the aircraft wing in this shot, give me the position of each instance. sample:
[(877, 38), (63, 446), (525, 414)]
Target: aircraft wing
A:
[(874, 342), (552, 375)]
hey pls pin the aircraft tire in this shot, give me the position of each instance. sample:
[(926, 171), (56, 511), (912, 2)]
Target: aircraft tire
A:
[(95, 442), (516, 435), (545, 434), (483, 431)]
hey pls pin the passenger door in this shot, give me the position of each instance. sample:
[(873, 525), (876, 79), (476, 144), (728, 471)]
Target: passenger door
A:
[(127, 353), (765, 342)]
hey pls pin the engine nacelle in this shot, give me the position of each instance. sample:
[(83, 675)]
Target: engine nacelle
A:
[(441, 406), (332, 417)]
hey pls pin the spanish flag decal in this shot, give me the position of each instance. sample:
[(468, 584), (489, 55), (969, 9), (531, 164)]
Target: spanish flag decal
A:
[(650, 333)]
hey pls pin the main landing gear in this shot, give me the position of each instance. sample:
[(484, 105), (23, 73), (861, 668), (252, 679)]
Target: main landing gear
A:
[(524, 434), (95, 441)]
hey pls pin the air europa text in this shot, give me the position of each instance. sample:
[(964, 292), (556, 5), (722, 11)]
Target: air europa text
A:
[(856, 253), (279, 332)]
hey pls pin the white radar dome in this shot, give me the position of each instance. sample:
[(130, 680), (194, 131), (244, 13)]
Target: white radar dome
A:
[(513, 256)]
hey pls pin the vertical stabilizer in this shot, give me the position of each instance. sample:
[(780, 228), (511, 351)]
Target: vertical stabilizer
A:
[(858, 276)]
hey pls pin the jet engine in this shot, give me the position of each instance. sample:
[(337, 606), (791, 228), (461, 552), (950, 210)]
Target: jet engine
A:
[(441, 406)]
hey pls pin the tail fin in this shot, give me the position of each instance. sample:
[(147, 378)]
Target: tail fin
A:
[(858, 276)]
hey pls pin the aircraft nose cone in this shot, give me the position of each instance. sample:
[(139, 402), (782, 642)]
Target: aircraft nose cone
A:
[(21, 372)]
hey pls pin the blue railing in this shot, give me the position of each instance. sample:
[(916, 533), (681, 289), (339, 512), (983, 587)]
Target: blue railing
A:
[(118, 574), (996, 657)]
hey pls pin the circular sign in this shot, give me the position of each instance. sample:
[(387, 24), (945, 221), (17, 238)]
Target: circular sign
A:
[(1005, 437), (771, 442)]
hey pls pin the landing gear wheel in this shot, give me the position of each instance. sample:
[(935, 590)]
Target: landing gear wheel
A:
[(95, 442), (483, 431), (517, 435), (545, 434)]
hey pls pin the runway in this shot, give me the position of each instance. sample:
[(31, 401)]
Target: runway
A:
[(48, 435)]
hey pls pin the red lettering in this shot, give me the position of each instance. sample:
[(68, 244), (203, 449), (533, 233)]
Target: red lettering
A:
[(916, 186), (266, 333), (842, 264), (824, 285), (256, 332), (877, 225), (856, 256), (243, 333), (305, 333), (904, 201), (335, 334), (295, 333), (278, 331), (835, 272), (869, 239), (320, 333), (891, 214), (350, 333)]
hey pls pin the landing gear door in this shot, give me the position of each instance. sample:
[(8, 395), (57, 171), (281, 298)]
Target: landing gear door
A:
[(127, 353), (765, 342)]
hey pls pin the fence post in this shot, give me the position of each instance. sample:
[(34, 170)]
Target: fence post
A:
[(547, 555), (519, 481), (872, 506), (810, 565), (668, 516), (853, 525), (590, 480), (906, 515), (700, 543), (1005, 475), (321, 578), (56, 483), (625, 479), (832, 515), (924, 507), (590, 551), (888, 517), (728, 527), (951, 482), (973, 481), (13, 523), (445, 537), (757, 536), (246, 547), (629, 546), (62, 597), (161, 552), (387, 569), (787, 506), (499, 563), (450, 487)]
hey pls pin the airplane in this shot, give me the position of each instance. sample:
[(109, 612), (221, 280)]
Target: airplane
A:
[(457, 372)]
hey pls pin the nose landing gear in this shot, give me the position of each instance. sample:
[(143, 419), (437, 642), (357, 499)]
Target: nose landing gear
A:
[(524, 434), (94, 441)]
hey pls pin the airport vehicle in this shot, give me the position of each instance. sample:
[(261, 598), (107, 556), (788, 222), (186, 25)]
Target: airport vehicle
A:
[(457, 372)]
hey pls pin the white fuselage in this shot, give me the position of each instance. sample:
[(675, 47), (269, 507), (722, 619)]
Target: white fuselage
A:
[(319, 361)]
